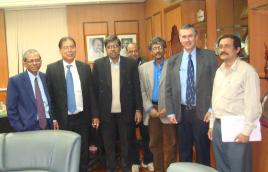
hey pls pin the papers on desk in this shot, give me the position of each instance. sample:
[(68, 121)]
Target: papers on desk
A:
[(232, 125)]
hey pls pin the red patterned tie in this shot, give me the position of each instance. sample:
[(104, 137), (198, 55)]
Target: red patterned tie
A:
[(40, 106)]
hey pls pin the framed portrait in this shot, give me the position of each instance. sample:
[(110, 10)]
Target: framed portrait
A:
[(95, 47), (125, 40)]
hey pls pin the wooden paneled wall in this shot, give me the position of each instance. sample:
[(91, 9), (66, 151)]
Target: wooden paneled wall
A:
[(105, 19), (3, 57)]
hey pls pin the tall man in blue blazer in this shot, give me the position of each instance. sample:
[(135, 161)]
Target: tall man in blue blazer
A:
[(189, 83), (72, 98), (117, 86), (28, 101)]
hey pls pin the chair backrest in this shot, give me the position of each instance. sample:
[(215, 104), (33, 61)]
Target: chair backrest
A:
[(40, 151), (189, 167)]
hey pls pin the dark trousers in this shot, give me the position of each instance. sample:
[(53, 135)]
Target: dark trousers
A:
[(109, 131), (74, 124), (192, 131), (134, 152), (156, 131), (230, 156)]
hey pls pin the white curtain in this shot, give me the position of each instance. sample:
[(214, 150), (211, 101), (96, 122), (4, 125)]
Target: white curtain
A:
[(39, 29)]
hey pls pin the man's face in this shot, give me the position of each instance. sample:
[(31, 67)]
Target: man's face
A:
[(157, 51), (227, 50), (133, 51), (188, 39), (68, 51), (97, 45), (113, 50), (33, 63)]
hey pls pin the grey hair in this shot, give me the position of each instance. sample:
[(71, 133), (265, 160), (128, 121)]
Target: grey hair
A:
[(157, 40), (188, 26), (28, 52), (112, 38)]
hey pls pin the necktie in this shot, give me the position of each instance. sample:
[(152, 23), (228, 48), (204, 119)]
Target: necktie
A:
[(190, 87), (40, 106), (70, 90)]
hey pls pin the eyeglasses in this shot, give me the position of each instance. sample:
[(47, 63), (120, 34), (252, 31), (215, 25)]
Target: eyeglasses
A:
[(157, 48), (112, 46), (32, 61), (68, 47)]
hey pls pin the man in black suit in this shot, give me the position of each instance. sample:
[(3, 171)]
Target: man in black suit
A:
[(119, 100), (72, 97), (189, 81)]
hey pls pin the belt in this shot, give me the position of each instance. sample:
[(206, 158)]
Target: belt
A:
[(188, 107)]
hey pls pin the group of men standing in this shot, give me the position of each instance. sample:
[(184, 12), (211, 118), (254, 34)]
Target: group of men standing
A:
[(171, 101)]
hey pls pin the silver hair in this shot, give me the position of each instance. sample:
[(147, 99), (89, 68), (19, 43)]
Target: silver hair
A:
[(28, 52)]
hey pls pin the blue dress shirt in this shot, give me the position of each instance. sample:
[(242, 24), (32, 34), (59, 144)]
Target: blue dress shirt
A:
[(157, 76)]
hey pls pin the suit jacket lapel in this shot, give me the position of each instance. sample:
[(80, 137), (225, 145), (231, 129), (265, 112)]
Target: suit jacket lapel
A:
[(163, 74), (61, 76), (81, 75), (176, 69), (107, 71), (28, 85), (122, 71), (199, 65), (151, 75)]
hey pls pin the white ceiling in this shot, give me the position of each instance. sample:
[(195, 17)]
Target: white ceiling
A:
[(41, 3)]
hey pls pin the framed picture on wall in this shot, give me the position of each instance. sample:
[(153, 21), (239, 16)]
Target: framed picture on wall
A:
[(125, 40), (95, 47)]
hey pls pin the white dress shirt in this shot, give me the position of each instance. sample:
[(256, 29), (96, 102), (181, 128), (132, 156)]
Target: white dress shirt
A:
[(77, 86)]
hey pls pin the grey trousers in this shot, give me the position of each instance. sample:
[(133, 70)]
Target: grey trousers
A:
[(230, 156)]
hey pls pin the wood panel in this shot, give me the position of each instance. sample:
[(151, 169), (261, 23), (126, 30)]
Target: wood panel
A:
[(149, 35), (126, 27), (79, 14), (3, 52), (3, 96), (211, 23), (256, 3), (257, 37), (95, 28), (157, 24), (189, 16), (172, 17)]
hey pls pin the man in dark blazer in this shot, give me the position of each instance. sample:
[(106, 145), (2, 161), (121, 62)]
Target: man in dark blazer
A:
[(72, 110), (119, 100), (190, 75), (22, 107)]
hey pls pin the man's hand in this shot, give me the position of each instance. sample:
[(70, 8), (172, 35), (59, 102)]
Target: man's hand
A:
[(207, 117), (95, 123), (162, 113), (210, 134), (172, 119), (55, 125), (138, 117), (154, 113), (241, 138)]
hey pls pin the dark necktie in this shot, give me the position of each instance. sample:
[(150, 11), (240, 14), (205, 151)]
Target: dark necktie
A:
[(190, 89), (40, 106), (70, 90)]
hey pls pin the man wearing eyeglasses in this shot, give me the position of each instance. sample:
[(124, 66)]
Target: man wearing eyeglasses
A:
[(190, 75), (153, 79), (28, 101), (117, 86), (73, 101)]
